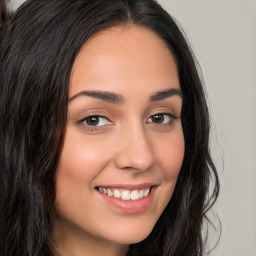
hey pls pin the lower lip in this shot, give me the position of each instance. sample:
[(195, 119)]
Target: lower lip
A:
[(130, 206)]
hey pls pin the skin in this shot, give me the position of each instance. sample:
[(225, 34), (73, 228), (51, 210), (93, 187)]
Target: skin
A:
[(127, 146)]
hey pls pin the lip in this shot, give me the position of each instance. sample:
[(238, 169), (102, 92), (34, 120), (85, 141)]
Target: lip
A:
[(129, 186), (130, 206)]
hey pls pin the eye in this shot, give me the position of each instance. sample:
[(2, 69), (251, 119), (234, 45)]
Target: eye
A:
[(95, 121), (162, 118)]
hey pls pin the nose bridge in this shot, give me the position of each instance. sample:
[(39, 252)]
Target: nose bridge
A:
[(135, 150)]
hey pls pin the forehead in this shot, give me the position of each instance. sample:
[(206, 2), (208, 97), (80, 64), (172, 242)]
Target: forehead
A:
[(124, 55)]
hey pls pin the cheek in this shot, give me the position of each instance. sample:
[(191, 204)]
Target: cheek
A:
[(79, 166), (170, 154), (80, 158)]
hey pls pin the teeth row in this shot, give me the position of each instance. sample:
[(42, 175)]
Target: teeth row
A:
[(126, 194)]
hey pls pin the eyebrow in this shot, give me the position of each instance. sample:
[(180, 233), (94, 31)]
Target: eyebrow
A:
[(110, 97), (117, 99), (165, 94)]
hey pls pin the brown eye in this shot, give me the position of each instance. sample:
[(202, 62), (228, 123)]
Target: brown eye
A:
[(92, 120), (95, 121), (161, 118)]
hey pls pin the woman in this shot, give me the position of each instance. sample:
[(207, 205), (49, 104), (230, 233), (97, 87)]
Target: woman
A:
[(104, 132)]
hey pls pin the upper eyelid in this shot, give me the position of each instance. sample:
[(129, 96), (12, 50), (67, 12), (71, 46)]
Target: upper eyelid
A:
[(102, 116), (91, 115), (166, 113), (106, 111), (172, 116), (93, 128)]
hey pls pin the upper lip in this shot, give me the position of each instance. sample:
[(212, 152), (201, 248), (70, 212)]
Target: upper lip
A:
[(128, 186)]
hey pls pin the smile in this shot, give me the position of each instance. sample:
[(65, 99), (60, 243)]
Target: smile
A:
[(125, 194)]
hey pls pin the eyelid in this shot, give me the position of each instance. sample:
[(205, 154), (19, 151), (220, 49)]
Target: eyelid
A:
[(93, 127), (170, 115)]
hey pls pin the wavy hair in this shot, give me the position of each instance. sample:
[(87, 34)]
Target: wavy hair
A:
[(38, 48)]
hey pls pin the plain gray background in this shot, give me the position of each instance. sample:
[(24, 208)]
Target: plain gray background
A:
[(222, 34)]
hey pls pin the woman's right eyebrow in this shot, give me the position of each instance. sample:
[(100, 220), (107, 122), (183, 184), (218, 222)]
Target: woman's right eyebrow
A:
[(110, 97)]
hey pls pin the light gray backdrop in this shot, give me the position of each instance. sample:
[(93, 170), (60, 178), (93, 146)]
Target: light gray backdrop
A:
[(223, 36)]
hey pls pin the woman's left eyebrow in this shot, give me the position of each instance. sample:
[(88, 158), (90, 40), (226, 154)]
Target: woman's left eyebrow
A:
[(165, 94)]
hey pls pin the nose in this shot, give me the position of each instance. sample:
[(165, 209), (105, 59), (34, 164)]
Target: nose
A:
[(135, 151)]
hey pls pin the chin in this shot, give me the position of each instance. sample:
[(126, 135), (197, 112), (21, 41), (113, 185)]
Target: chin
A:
[(130, 234)]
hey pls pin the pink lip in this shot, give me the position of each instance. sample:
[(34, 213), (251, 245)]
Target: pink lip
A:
[(130, 206)]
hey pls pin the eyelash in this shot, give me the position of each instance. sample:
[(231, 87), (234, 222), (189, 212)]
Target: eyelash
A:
[(93, 127), (168, 115), (100, 127)]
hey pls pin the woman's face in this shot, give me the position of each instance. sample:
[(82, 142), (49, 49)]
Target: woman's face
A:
[(123, 139)]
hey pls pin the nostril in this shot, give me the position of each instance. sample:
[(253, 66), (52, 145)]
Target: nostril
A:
[(132, 163)]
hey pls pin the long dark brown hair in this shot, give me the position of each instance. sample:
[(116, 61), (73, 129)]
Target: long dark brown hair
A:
[(38, 47)]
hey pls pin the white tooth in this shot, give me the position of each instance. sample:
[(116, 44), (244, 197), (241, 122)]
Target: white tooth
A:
[(135, 195), (126, 195), (117, 193), (105, 191), (141, 194), (146, 192), (110, 193), (101, 190)]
